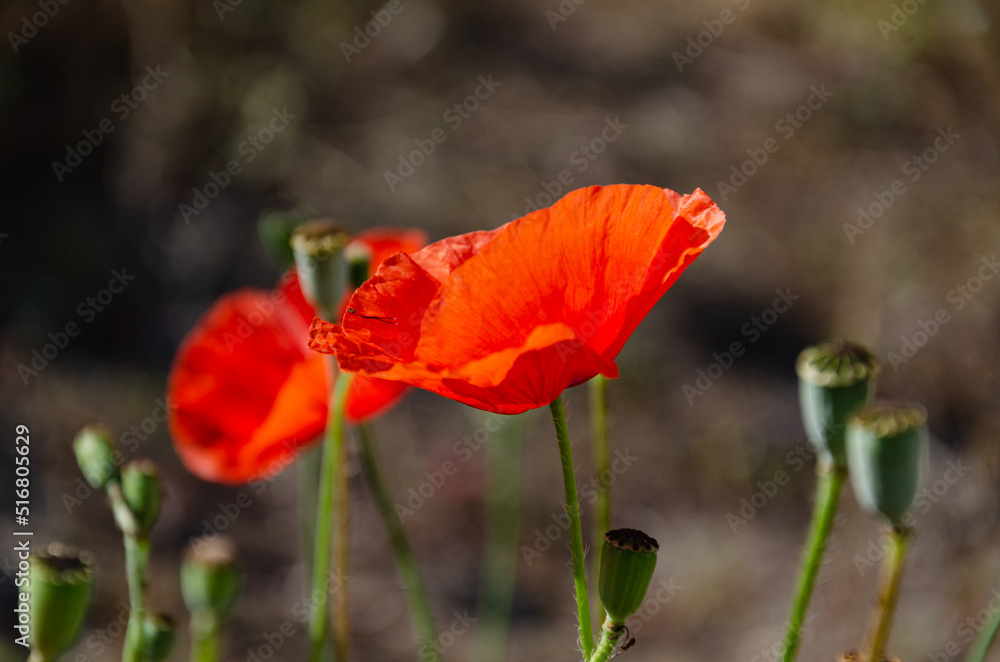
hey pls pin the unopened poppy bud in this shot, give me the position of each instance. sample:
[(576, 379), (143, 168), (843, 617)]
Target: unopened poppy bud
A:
[(60, 588), (628, 559), (886, 444), (141, 490), (359, 263), (95, 454), (275, 228), (159, 634), (318, 247), (211, 577), (835, 379)]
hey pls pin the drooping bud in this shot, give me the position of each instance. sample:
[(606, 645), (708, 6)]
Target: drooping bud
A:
[(60, 588), (318, 247), (628, 559), (211, 577), (159, 634), (835, 379), (359, 263), (886, 446), (141, 491), (95, 454)]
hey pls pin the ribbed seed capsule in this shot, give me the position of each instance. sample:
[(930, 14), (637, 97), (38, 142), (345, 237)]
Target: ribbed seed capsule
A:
[(886, 447), (835, 379), (60, 588), (211, 577), (318, 247), (628, 559)]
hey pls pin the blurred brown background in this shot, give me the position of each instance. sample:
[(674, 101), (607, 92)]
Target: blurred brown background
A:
[(792, 116)]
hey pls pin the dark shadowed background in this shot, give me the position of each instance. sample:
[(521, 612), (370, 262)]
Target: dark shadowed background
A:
[(853, 147)]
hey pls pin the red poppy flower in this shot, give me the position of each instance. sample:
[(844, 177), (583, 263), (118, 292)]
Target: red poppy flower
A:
[(506, 320), (245, 392)]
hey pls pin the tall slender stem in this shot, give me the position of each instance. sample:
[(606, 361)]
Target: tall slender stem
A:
[(892, 575), (416, 592), (575, 530), (503, 523), (341, 557), (985, 639), (599, 428), (330, 471), (136, 562), (205, 638), (831, 480)]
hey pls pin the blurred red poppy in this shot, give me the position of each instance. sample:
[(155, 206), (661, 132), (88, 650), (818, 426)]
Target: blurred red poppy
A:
[(506, 320), (245, 393)]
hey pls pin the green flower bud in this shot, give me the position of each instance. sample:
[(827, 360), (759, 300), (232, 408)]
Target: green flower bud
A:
[(275, 228), (318, 247), (159, 634), (835, 379), (886, 444), (359, 263), (96, 456), (141, 491), (211, 577), (60, 588), (628, 559)]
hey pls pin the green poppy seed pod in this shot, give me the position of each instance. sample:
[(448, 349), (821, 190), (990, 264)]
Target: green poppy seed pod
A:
[(211, 577), (628, 559), (95, 454), (159, 634), (318, 247), (886, 445), (835, 379), (275, 228), (59, 593), (359, 263), (141, 490)]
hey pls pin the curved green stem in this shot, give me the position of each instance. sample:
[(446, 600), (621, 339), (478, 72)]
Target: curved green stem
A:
[(416, 593), (611, 633), (575, 529), (892, 575), (330, 471), (341, 560), (985, 639), (831, 480), (599, 428), (136, 562)]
